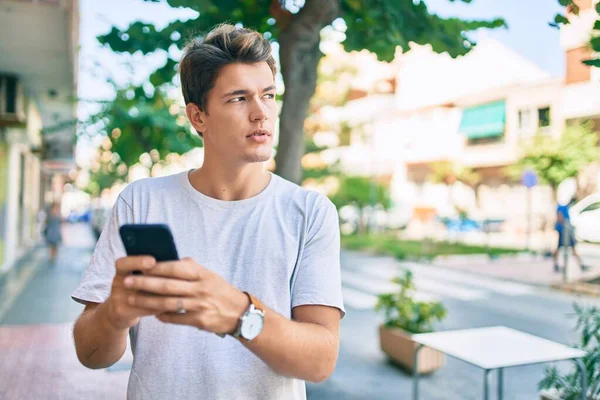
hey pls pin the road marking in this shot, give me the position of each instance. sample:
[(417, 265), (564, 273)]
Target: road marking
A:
[(358, 300), (495, 285), (377, 286)]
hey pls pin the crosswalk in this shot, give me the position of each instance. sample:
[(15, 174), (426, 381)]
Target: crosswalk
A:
[(364, 279)]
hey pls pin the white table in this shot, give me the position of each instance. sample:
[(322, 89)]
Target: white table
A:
[(493, 348)]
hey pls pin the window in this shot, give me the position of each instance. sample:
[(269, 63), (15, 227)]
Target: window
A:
[(544, 117), (524, 119)]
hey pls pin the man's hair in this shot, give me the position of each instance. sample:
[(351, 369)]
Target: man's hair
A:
[(203, 58)]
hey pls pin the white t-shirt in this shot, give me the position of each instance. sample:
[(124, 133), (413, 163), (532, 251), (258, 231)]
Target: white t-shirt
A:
[(282, 246)]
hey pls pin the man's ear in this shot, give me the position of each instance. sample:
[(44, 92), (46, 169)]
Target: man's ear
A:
[(196, 116)]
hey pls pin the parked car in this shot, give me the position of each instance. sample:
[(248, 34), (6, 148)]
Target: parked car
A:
[(585, 218)]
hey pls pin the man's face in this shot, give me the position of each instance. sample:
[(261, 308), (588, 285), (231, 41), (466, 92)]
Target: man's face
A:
[(241, 113)]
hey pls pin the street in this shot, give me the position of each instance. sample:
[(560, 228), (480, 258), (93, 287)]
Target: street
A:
[(363, 371), (35, 330)]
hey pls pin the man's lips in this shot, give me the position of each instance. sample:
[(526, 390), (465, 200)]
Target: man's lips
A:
[(259, 132)]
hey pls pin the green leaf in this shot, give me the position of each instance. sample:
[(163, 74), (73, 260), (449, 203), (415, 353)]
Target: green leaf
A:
[(560, 19), (595, 43), (593, 63), (382, 28)]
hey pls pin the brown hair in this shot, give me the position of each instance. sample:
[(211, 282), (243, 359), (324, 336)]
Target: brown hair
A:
[(203, 58)]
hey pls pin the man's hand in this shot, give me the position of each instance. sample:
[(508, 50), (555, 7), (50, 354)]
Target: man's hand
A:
[(120, 313), (210, 302)]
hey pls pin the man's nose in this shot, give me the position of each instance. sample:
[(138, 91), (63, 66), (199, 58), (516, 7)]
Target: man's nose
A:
[(259, 112)]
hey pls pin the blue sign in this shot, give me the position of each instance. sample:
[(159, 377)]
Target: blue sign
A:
[(529, 179)]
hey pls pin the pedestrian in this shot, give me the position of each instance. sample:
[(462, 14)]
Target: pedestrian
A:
[(52, 231), (255, 247), (566, 236)]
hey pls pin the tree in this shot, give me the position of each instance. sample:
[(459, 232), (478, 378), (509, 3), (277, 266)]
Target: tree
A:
[(138, 127), (555, 160), (594, 44), (378, 26), (449, 172), (360, 192)]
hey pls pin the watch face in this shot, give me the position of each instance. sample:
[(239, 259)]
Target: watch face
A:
[(252, 326)]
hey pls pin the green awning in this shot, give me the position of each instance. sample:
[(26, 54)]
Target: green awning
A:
[(484, 121)]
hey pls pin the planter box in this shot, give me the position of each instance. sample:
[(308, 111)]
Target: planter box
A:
[(553, 394), (549, 395), (397, 344)]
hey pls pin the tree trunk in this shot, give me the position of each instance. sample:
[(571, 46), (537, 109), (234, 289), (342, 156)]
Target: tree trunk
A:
[(299, 54)]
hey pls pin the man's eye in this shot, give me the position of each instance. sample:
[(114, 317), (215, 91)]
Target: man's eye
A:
[(236, 100), (270, 96)]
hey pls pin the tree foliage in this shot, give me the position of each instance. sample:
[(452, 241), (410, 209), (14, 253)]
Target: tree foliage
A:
[(137, 126), (450, 172), (556, 159), (378, 26), (360, 192), (594, 42)]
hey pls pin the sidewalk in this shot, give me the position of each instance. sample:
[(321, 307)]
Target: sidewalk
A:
[(525, 268), (36, 317)]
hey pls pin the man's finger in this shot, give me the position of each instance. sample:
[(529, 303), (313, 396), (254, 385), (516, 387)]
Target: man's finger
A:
[(185, 269), (127, 265), (161, 303), (176, 318), (160, 285)]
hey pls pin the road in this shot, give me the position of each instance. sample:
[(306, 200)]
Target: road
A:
[(363, 371)]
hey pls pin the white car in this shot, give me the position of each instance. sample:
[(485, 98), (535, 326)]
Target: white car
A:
[(585, 218)]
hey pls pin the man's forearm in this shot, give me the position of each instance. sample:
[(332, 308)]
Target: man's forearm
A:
[(98, 344), (297, 349)]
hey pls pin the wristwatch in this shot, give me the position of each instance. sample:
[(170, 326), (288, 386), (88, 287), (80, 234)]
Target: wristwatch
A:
[(252, 322)]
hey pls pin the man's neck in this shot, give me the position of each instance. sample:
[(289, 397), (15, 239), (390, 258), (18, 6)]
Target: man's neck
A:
[(231, 184)]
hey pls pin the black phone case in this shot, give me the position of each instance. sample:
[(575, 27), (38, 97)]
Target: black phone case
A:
[(153, 240)]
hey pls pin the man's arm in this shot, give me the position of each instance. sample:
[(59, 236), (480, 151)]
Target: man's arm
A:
[(97, 342), (100, 333), (305, 348)]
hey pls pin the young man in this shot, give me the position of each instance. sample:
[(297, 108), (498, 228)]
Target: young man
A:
[(260, 255)]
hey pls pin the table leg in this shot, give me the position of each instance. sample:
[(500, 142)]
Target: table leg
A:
[(486, 384), (581, 366), (500, 383), (416, 372)]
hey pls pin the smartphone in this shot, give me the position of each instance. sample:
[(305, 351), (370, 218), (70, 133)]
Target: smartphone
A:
[(153, 240)]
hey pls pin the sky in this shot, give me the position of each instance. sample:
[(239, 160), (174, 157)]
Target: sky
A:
[(528, 34)]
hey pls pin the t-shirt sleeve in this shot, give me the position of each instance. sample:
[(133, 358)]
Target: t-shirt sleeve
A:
[(318, 275), (97, 280)]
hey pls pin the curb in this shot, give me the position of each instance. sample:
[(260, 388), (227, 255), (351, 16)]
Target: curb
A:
[(578, 288)]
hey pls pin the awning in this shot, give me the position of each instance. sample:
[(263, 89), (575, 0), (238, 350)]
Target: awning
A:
[(484, 121)]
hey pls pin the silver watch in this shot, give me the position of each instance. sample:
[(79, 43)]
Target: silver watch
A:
[(251, 324)]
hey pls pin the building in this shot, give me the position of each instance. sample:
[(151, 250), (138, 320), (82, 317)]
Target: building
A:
[(38, 90), (474, 111)]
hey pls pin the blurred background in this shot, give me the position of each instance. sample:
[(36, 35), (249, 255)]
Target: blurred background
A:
[(451, 136)]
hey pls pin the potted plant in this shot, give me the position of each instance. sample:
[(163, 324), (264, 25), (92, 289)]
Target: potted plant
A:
[(405, 316), (557, 386)]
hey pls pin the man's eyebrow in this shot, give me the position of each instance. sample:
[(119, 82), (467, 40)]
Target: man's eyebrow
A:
[(245, 91)]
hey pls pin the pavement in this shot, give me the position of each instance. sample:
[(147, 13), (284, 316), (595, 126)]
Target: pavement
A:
[(36, 318), (37, 314)]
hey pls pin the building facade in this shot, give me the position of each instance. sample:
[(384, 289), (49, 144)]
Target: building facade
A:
[(38, 91)]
